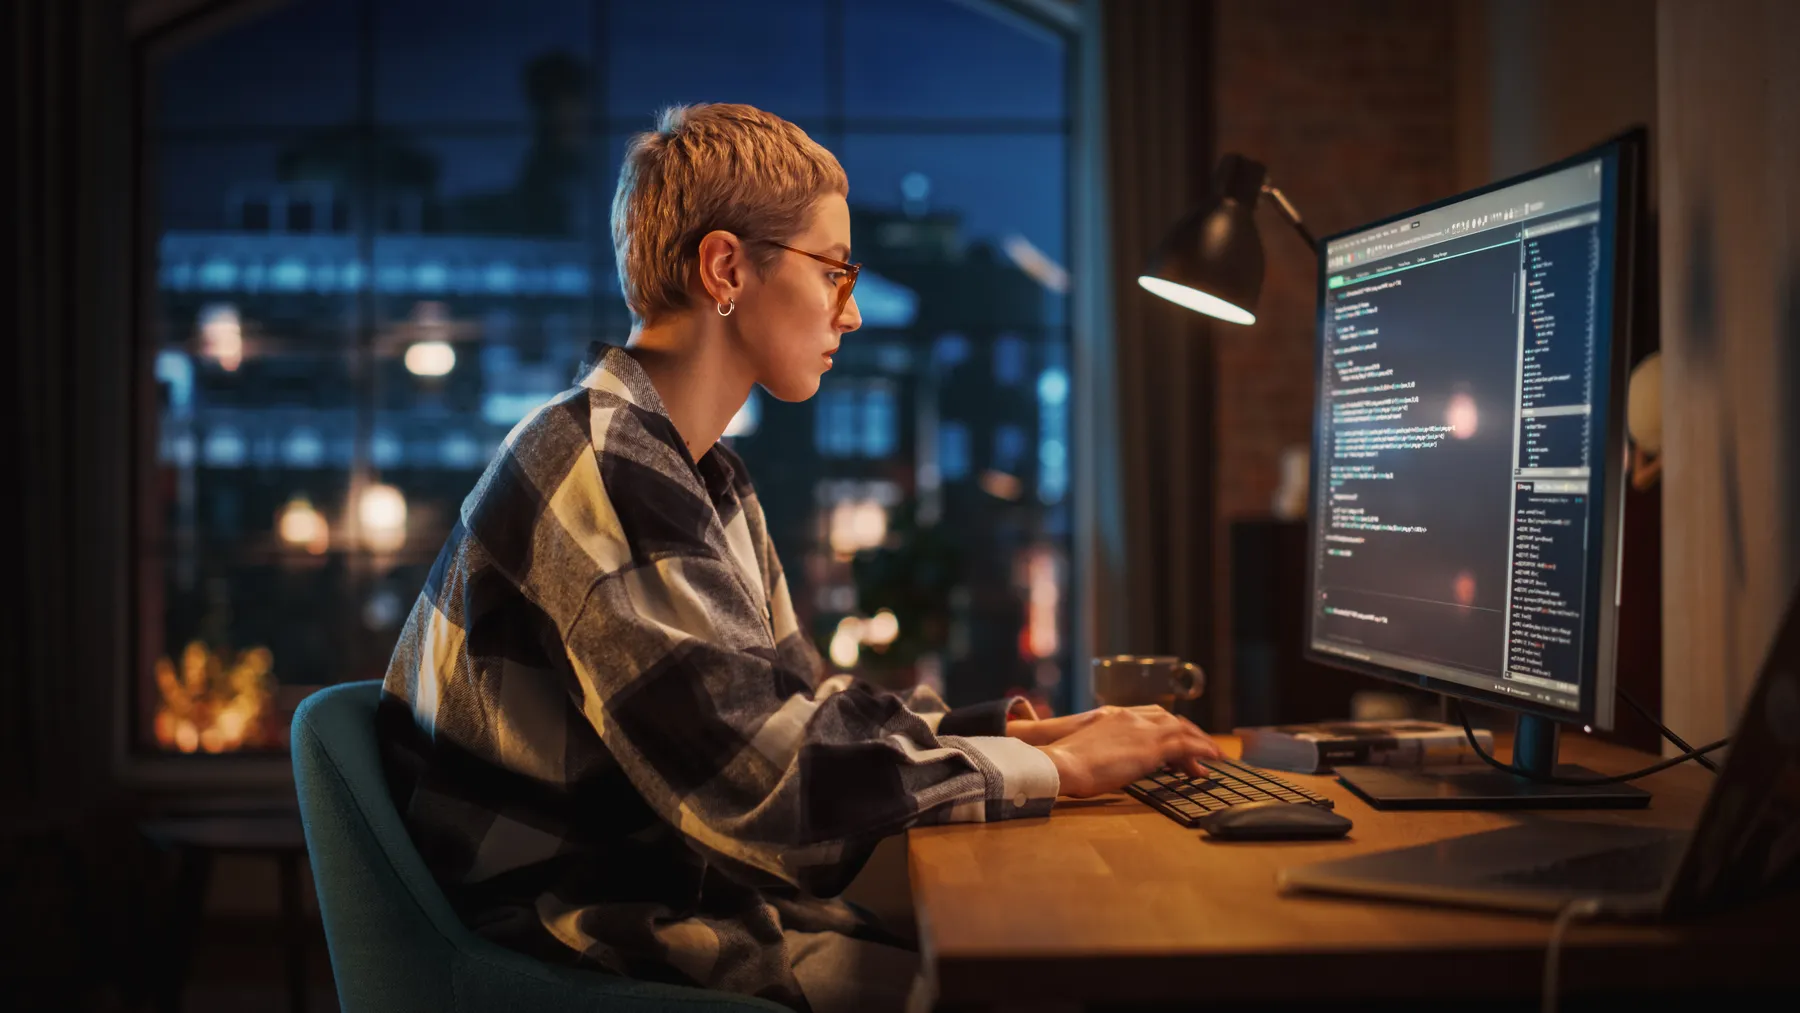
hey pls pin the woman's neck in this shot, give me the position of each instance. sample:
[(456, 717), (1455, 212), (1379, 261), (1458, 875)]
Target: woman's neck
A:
[(699, 376)]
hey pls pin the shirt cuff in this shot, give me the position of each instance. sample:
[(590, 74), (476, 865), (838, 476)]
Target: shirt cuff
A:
[(985, 718), (976, 719), (1021, 780)]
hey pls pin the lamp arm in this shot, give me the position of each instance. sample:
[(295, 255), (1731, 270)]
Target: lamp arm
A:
[(1288, 212)]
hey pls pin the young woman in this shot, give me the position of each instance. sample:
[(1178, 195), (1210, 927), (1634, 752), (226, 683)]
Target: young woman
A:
[(610, 738)]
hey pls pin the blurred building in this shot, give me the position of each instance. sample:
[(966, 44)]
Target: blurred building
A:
[(307, 361), (941, 435), (364, 278)]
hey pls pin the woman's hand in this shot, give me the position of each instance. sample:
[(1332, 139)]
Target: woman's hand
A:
[(1118, 745), (1047, 730)]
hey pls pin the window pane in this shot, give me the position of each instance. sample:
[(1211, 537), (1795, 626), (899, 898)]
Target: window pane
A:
[(521, 63), (295, 64), (488, 183), (949, 59), (351, 315), (484, 279), (768, 54), (205, 185), (258, 276), (998, 187), (606, 184), (928, 493)]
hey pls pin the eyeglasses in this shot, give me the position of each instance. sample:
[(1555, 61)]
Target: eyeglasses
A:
[(845, 285)]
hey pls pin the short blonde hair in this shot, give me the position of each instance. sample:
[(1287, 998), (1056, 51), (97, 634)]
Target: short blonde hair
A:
[(705, 167)]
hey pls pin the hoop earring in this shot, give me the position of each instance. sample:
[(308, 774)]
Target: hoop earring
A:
[(726, 308)]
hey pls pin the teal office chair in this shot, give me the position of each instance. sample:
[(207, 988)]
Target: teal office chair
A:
[(396, 945)]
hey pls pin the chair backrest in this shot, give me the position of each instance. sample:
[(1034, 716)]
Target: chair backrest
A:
[(392, 933), (396, 944)]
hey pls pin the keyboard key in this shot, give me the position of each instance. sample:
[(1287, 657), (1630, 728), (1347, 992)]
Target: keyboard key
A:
[(1185, 799)]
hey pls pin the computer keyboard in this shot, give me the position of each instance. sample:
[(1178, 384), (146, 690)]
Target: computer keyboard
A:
[(1185, 799)]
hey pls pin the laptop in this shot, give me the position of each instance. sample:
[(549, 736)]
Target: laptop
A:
[(1746, 844)]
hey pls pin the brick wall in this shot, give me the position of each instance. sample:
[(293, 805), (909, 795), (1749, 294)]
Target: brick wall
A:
[(1353, 108)]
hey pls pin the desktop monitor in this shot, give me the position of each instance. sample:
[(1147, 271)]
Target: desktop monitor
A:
[(1469, 448)]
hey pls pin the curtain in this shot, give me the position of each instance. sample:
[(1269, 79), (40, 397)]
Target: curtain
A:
[(1150, 364), (68, 189), (68, 856)]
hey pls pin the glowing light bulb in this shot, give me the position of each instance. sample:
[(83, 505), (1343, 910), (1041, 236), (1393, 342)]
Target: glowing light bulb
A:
[(881, 630), (222, 336), (301, 526), (845, 646), (430, 358), (382, 511)]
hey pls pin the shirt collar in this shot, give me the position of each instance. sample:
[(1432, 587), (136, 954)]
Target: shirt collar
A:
[(617, 372)]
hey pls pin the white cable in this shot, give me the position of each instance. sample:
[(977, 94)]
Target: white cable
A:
[(1583, 907)]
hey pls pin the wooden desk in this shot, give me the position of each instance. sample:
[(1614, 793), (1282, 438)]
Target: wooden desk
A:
[(1108, 901)]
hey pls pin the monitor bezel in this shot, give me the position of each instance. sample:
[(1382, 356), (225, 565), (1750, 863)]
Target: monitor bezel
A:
[(1599, 656)]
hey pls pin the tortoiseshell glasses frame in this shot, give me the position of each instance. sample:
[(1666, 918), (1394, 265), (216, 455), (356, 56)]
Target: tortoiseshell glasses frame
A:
[(845, 286)]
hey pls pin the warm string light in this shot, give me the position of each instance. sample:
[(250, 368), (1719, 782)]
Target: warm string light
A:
[(216, 701)]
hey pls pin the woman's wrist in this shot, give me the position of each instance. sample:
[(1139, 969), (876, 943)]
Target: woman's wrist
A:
[(1070, 772)]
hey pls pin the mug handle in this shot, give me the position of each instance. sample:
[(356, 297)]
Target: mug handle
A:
[(1188, 680)]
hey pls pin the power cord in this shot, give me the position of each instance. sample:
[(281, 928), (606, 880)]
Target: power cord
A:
[(1583, 907), (1589, 907), (1679, 742), (1672, 761)]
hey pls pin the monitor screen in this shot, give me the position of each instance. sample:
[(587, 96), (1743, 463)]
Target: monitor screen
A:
[(1467, 446)]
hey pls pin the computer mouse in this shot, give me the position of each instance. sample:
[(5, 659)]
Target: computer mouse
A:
[(1274, 821)]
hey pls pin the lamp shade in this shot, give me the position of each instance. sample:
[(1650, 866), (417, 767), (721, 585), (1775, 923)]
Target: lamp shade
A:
[(1211, 261)]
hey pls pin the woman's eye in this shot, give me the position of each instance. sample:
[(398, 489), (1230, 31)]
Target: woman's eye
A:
[(836, 276)]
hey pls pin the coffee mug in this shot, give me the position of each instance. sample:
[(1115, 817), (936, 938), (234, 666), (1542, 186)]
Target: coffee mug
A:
[(1130, 680)]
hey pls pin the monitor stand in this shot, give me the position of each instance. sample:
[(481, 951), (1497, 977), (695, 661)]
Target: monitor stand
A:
[(1484, 787)]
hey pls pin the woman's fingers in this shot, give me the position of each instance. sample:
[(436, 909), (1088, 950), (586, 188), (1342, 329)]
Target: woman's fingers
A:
[(1182, 744), (1206, 747), (1186, 747), (1198, 740), (1204, 742)]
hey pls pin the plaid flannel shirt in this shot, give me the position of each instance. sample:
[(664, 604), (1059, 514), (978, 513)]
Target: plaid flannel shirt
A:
[(612, 742)]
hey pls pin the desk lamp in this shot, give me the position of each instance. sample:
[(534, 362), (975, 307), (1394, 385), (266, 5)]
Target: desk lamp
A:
[(1212, 260)]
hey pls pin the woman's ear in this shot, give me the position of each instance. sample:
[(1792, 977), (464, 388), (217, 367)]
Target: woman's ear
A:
[(722, 266)]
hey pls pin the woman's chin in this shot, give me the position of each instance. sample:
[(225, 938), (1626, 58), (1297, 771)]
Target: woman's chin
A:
[(794, 388)]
